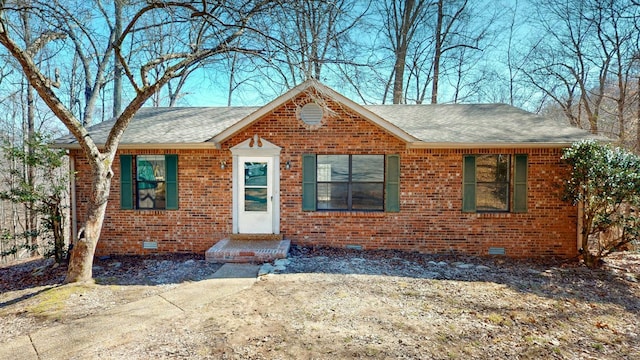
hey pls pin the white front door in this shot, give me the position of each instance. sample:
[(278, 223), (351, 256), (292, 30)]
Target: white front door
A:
[(255, 196)]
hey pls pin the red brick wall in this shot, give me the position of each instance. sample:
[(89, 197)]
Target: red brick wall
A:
[(430, 219), (204, 216)]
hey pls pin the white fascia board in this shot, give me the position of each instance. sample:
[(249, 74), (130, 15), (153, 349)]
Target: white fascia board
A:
[(452, 145), (202, 145)]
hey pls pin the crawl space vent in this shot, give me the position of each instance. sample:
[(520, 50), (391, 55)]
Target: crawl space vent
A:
[(149, 245)]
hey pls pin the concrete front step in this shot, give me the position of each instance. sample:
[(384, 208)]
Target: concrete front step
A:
[(248, 251)]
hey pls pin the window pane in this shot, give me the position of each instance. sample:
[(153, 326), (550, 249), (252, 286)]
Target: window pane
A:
[(152, 198), (255, 199), (486, 168), (367, 196), (333, 168), (492, 197), (150, 176), (150, 168), (332, 196), (492, 168), (367, 168), (502, 172), (255, 174)]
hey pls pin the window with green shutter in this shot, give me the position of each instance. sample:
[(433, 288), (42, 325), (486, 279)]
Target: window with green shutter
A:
[(494, 183), (350, 182), (149, 182)]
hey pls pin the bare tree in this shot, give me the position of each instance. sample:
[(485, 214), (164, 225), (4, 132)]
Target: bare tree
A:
[(117, 67), (211, 36), (29, 131), (582, 60), (23, 106), (318, 39), (431, 42), (153, 30), (402, 21), (636, 146)]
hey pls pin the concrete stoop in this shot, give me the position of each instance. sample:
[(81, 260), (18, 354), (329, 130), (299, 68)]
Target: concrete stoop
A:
[(249, 249)]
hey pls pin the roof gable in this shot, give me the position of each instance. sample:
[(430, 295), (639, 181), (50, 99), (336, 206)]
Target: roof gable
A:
[(308, 86)]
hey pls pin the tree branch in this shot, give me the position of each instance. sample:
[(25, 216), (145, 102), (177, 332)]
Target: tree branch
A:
[(39, 82)]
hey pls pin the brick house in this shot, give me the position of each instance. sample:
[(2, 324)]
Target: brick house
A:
[(321, 170)]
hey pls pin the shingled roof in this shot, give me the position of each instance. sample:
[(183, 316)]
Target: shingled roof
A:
[(439, 125), (466, 125)]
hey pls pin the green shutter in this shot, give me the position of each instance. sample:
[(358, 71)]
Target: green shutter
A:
[(392, 178), (171, 162), (520, 184), (308, 182), (469, 184), (126, 182)]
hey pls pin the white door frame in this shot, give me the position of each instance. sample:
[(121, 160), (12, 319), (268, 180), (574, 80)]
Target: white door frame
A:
[(256, 148)]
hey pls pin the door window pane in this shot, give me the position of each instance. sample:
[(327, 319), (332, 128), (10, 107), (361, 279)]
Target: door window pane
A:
[(255, 174), (255, 199), (255, 186)]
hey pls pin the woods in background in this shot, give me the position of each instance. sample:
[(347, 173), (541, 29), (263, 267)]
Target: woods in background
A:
[(66, 65)]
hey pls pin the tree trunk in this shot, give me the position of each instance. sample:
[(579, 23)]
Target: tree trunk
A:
[(593, 124), (117, 68), (638, 118), (31, 220), (437, 53), (398, 83), (30, 213), (403, 35), (81, 262), (591, 260), (588, 258), (84, 247), (57, 227)]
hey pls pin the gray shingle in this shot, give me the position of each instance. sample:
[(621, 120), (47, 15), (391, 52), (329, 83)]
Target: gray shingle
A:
[(439, 124), (171, 125), (476, 124)]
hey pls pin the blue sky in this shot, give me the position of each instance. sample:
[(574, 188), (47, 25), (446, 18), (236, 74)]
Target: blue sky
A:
[(203, 91)]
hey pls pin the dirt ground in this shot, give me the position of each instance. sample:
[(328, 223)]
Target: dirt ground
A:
[(329, 304)]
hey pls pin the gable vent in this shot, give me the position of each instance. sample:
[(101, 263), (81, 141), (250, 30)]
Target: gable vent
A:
[(311, 114)]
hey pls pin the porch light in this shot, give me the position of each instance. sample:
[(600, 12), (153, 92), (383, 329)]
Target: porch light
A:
[(223, 164), (287, 165)]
